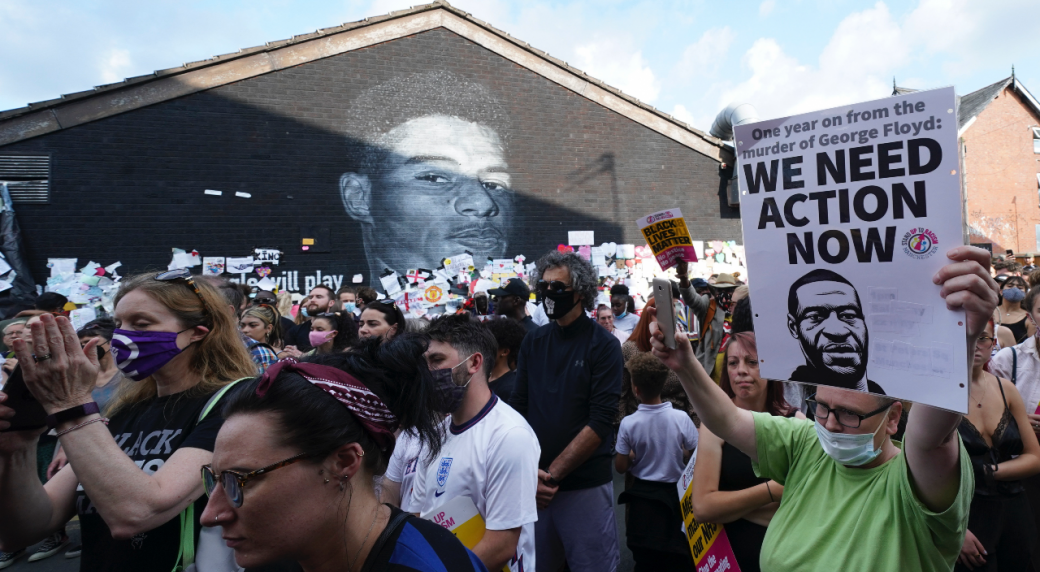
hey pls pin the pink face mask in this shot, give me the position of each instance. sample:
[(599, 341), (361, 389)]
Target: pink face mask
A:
[(319, 338)]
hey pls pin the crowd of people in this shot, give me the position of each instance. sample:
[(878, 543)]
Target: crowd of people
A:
[(204, 424)]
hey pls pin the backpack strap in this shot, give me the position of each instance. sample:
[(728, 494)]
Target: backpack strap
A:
[(186, 550), (1014, 366)]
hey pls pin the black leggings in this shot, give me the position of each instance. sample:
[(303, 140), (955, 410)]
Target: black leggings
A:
[(1005, 527)]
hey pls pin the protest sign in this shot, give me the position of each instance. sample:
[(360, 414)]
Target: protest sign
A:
[(848, 214), (460, 516), (709, 544), (669, 239)]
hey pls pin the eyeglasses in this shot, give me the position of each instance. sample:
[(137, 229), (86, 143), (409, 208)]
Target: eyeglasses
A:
[(183, 274), (984, 340), (233, 481), (556, 286), (849, 419)]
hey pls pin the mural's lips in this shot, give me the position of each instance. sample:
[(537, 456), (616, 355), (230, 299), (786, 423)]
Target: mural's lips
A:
[(840, 348), (482, 239)]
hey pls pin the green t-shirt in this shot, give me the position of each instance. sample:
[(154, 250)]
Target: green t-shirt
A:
[(837, 518)]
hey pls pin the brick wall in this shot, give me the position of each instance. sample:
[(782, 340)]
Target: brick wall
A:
[(130, 187), (1000, 172)]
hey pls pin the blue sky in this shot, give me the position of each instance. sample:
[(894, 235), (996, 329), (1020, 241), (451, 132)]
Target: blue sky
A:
[(686, 57)]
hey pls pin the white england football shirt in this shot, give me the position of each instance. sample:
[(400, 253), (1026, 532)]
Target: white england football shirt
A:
[(493, 459), (402, 466)]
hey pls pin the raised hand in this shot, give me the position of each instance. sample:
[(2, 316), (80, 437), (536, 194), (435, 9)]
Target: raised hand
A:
[(60, 375)]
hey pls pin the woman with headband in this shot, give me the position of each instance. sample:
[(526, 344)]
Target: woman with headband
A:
[(293, 468)]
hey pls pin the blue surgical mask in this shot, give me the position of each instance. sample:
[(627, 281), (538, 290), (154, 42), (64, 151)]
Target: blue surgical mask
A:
[(852, 450), (1014, 294), (621, 315), (349, 307)]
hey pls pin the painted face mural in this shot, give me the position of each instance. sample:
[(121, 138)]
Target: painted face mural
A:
[(431, 178)]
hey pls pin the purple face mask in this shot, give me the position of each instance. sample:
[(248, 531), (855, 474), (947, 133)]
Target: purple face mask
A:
[(140, 354)]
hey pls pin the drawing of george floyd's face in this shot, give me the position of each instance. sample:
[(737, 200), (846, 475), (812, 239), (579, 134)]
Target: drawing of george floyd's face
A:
[(831, 330), (442, 187)]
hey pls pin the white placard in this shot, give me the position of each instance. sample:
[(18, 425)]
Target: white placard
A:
[(581, 237), (849, 213)]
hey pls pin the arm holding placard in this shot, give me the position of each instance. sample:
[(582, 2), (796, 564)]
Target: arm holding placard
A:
[(931, 444), (715, 409), (757, 503)]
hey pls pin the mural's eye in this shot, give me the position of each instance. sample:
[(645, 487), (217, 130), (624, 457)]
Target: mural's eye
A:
[(493, 185), (435, 178), (815, 317), (849, 315)]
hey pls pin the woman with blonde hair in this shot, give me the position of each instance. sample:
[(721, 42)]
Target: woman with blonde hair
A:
[(178, 348)]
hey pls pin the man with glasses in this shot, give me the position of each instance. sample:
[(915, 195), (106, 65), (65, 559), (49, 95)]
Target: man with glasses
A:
[(853, 499), (568, 384), (511, 301)]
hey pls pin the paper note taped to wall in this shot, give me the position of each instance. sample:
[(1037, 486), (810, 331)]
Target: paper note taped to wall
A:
[(669, 239), (239, 265), (61, 266), (581, 237)]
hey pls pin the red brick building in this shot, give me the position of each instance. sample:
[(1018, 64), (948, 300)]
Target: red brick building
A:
[(1000, 142)]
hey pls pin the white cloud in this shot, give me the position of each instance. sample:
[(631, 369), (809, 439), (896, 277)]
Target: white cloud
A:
[(856, 65), (766, 8), (703, 57), (116, 65), (617, 64), (682, 114)]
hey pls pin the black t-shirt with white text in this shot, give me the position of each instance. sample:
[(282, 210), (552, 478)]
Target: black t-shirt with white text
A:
[(149, 433)]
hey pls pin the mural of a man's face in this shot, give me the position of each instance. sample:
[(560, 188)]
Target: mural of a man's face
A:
[(830, 328), (443, 189)]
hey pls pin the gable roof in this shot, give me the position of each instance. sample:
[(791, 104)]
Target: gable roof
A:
[(133, 93), (976, 102)]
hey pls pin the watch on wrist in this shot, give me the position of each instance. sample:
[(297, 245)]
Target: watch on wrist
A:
[(552, 480), (72, 413)]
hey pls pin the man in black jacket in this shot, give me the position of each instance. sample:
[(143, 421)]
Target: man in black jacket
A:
[(568, 385)]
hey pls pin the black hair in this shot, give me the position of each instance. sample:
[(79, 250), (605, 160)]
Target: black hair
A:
[(345, 326), (367, 295), (1021, 282), (742, 321), (51, 301), (818, 275), (467, 335), (391, 313), (648, 374), (508, 334), (315, 423), (99, 328), (619, 290)]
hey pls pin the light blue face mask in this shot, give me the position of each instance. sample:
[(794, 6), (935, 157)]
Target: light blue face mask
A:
[(349, 307), (621, 315), (851, 450)]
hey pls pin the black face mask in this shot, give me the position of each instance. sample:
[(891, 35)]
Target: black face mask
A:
[(100, 352), (559, 304)]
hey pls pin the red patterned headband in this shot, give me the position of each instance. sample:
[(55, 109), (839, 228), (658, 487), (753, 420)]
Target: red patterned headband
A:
[(365, 405)]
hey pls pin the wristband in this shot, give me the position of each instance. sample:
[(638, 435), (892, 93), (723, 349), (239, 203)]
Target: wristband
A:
[(72, 413), (770, 491), (552, 480)]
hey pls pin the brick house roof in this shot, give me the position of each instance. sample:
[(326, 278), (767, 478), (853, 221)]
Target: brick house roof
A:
[(974, 103)]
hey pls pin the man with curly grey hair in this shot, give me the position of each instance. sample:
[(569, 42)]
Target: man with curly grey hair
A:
[(568, 382)]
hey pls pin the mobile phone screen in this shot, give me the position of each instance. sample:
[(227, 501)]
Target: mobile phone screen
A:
[(28, 413)]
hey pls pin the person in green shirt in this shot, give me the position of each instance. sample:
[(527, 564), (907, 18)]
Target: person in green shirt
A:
[(853, 499)]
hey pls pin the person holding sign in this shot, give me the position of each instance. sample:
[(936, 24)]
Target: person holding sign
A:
[(854, 500), (725, 487)]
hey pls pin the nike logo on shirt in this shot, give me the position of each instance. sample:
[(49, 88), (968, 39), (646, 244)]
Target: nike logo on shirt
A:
[(437, 494)]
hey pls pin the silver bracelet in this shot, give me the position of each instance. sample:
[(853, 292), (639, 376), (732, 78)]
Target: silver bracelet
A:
[(82, 425)]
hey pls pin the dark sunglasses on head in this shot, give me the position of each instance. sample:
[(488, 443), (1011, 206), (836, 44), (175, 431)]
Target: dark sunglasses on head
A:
[(555, 286), (388, 302), (233, 481), (183, 274)]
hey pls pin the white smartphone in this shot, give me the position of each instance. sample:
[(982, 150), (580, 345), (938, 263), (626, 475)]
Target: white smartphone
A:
[(665, 310)]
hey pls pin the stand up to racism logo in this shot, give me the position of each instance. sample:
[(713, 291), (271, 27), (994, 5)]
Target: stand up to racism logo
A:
[(920, 243)]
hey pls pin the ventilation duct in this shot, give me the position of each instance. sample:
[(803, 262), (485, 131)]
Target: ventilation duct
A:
[(735, 114)]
